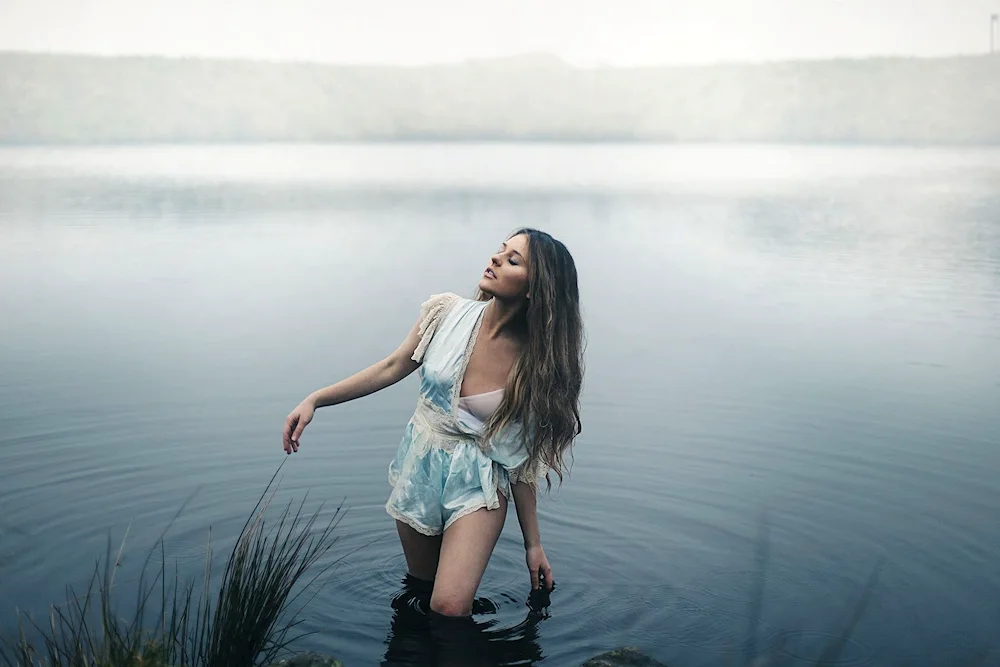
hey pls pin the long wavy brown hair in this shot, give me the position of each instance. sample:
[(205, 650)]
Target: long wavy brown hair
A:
[(542, 394)]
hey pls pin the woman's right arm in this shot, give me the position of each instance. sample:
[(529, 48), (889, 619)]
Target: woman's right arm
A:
[(376, 377)]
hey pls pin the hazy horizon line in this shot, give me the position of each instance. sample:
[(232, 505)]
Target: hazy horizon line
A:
[(520, 56)]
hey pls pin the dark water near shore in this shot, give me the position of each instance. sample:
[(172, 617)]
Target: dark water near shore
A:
[(811, 333)]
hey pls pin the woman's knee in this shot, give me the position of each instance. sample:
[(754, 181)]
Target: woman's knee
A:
[(450, 604)]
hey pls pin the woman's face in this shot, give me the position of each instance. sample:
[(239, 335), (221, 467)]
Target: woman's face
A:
[(506, 277)]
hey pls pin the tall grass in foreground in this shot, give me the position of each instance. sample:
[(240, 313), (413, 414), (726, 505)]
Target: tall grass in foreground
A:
[(249, 620)]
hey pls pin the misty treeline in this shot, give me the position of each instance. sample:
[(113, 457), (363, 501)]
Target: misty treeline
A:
[(47, 99)]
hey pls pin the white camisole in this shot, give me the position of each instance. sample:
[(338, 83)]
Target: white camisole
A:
[(476, 409)]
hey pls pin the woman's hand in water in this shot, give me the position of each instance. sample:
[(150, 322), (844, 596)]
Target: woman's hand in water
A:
[(295, 424), (538, 566)]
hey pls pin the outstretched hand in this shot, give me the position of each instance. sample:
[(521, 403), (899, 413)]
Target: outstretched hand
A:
[(295, 423)]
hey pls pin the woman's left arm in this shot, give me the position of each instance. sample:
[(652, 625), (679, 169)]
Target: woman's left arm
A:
[(527, 517)]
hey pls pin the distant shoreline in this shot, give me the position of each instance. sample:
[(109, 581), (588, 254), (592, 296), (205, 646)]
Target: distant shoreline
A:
[(57, 99), (445, 141), (529, 58)]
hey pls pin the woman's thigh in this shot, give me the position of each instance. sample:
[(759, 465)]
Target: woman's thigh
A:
[(421, 551), (466, 548)]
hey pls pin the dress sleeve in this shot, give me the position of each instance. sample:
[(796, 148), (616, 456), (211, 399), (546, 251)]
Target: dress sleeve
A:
[(431, 313)]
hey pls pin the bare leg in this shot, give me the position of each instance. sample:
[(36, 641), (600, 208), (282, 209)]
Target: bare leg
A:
[(465, 551), (421, 551)]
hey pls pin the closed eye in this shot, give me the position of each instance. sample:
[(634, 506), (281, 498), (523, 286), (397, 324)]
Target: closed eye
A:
[(503, 248)]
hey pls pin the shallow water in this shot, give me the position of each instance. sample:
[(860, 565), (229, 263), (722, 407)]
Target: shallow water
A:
[(810, 334)]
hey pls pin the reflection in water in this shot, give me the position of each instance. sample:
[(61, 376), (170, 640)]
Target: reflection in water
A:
[(419, 637)]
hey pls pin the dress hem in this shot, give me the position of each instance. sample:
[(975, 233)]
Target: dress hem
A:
[(466, 511), (412, 523)]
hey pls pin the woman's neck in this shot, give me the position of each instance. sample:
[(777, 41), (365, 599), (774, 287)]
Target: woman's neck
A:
[(503, 318)]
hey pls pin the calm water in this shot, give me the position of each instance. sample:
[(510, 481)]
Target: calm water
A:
[(809, 333)]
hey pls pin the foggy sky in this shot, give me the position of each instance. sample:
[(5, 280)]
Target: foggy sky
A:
[(584, 32)]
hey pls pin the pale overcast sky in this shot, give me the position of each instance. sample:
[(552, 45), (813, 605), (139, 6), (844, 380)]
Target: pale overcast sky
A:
[(617, 32)]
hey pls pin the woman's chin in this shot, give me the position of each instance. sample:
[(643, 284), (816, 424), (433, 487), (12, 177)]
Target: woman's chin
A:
[(484, 285)]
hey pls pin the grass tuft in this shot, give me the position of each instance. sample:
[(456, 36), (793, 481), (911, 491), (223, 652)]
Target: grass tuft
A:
[(249, 620)]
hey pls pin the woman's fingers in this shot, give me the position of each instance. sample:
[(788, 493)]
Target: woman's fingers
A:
[(548, 577), (294, 425), (299, 427), (534, 578), (286, 435)]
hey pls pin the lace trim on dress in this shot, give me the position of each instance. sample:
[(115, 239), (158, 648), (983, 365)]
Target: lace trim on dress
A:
[(465, 511), (528, 473), (411, 522), (431, 313)]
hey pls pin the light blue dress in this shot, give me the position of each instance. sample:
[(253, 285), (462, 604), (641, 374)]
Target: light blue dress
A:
[(441, 471)]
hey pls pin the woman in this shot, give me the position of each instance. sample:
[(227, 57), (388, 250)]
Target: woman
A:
[(498, 409)]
